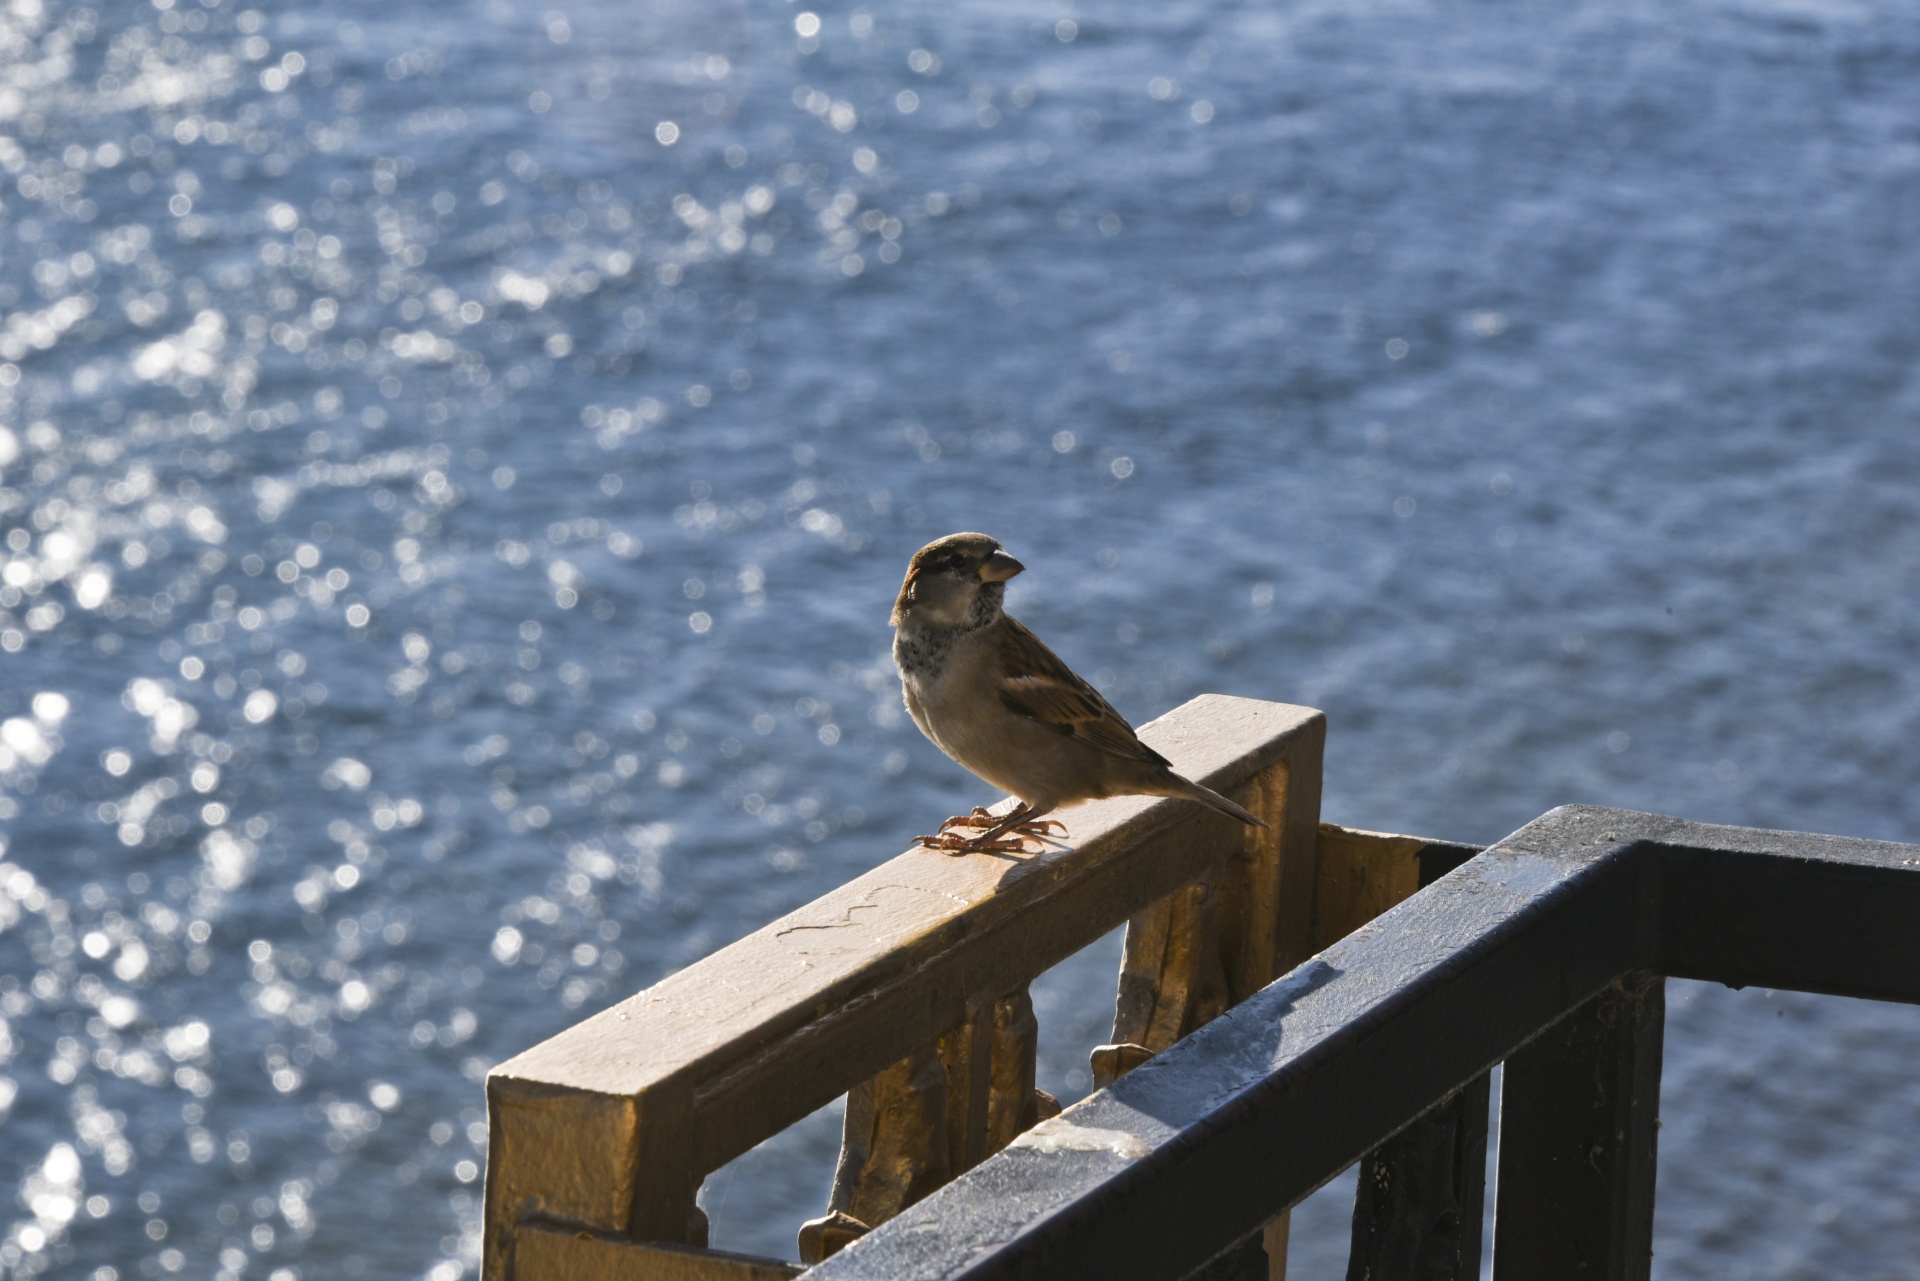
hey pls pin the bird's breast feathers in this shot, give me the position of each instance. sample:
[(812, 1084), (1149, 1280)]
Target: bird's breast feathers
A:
[(995, 696), (946, 685)]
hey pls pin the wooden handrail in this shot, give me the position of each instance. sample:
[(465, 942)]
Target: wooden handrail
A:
[(905, 987)]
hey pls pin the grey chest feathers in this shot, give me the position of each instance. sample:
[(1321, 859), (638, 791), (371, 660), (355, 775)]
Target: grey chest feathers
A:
[(921, 653)]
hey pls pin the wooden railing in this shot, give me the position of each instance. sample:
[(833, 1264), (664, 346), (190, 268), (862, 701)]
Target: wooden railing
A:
[(906, 990)]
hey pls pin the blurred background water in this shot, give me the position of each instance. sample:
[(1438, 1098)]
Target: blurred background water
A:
[(458, 459)]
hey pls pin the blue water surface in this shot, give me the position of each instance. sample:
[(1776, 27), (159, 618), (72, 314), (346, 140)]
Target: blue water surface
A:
[(457, 460)]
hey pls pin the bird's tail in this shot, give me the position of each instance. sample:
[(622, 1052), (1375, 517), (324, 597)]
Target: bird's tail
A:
[(1213, 800)]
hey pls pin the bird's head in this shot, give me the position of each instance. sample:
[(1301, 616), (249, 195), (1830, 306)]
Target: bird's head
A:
[(953, 580)]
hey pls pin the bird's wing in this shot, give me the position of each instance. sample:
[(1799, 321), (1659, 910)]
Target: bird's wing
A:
[(1034, 683)]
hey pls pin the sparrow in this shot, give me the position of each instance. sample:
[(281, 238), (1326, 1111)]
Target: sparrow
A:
[(993, 697)]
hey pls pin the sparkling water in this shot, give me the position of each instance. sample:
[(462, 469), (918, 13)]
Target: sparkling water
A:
[(457, 461)]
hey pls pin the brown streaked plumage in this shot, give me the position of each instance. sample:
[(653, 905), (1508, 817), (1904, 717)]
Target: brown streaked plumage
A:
[(992, 696)]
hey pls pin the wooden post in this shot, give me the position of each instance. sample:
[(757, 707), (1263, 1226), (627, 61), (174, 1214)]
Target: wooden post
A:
[(1579, 1110), (1171, 979), (621, 1164), (1220, 939), (1014, 1104)]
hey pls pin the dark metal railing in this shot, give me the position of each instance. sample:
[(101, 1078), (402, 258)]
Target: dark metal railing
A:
[(1546, 952)]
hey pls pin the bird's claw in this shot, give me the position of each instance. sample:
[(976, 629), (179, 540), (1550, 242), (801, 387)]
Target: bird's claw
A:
[(952, 843), (1011, 840)]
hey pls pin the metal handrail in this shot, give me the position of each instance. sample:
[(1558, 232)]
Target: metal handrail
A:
[(1547, 951)]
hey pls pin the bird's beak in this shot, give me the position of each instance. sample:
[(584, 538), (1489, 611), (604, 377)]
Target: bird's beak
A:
[(999, 568)]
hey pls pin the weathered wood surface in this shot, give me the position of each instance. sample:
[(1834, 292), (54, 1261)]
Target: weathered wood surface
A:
[(613, 1123), (1171, 979), (546, 1250), (930, 1117), (1360, 874)]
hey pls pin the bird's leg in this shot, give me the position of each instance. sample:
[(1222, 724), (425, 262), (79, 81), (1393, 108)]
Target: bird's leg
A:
[(1006, 835), (1024, 821), (954, 843)]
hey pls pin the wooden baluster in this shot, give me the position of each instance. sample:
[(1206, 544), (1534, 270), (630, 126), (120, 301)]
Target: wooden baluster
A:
[(893, 1151), (929, 1118), (1579, 1114), (1014, 1104), (1171, 979)]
